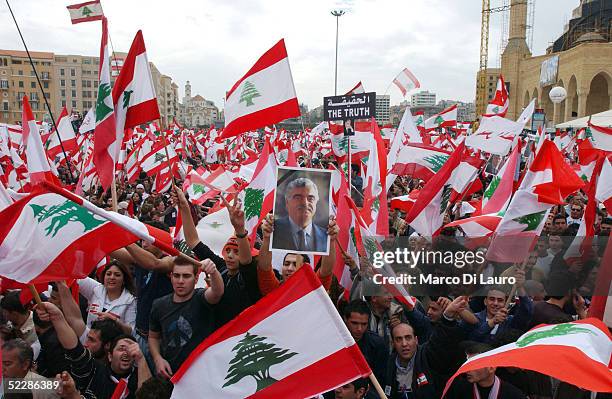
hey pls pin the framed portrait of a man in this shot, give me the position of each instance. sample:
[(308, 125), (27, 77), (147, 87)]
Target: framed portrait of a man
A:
[(301, 210)]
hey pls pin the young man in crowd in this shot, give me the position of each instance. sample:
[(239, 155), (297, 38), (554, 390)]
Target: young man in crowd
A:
[(183, 319)]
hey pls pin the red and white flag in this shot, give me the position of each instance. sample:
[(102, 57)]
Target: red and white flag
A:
[(265, 95), (495, 135), (38, 164), (578, 353), (268, 352), (134, 96), (85, 12), (358, 89), (106, 151), (406, 81), (446, 118), (66, 132), (601, 136), (52, 234), (499, 105)]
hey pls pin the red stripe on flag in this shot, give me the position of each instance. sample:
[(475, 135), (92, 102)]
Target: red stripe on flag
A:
[(273, 114), (342, 366), (79, 20), (270, 57), (298, 285), (141, 113)]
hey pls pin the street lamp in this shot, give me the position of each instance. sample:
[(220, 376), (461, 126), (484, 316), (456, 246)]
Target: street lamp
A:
[(337, 14)]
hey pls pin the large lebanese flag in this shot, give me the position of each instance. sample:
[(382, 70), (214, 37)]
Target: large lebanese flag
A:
[(601, 137), (38, 164), (134, 96), (577, 353), (495, 135), (292, 335), (52, 234), (265, 95)]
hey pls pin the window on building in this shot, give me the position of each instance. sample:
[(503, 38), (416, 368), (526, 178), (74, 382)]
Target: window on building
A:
[(87, 61), (47, 95), (72, 72), (46, 85), (62, 72), (34, 105), (4, 84), (32, 85), (62, 82), (32, 73), (21, 83), (95, 84), (63, 93), (5, 105), (16, 62), (73, 83), (74, 104), (20, 72), (73, 93)]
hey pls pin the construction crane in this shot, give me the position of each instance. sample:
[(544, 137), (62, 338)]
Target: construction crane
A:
[(481, 87)]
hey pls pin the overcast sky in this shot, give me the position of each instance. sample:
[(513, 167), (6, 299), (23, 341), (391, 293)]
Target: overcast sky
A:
[(212, 43)]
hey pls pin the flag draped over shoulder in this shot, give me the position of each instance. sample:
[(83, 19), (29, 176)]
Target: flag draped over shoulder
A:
[(263, 96), (273, 347)]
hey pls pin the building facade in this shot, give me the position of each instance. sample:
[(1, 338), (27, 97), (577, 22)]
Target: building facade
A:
[(69, 81), (583, 66), (197, 111), (423, 99), (382, 108), (17, 79)]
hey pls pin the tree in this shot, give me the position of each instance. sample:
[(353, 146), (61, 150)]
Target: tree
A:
[(64, 213), (253, 200), (436, 161), (249, 92), (532, 220), (102, 109), (253, 358)]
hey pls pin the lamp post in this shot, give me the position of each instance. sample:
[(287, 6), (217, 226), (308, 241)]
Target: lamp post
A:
[(337, 14)]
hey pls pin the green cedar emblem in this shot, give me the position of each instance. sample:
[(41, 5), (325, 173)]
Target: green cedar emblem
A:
[(126, 97), (64, 213), (249, 92), (159, 157), (198, 189), (376, 205), (492, 187), (215, 225), (556, 331), (254, 357), (182, 246), (532, 220), (253, 200), (343, 144), (419, 121), (436, 161), (446, 192), (353, 236), (102, 110), (86, 11), (371, 246), (496, 110), (439, 120)]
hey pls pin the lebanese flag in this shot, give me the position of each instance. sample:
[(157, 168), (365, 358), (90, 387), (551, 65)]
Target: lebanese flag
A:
[(85, 12), (205, 185), (427, 214), (601, 136), (587, 157), (495, 135), (419, 161), (66, 132), (499, 105), (547, 182), (478, 226), (358, 89), (52, 234), (265, 95), (407, 132), (577, 353), (498, 193), (405, 202), (603, 193), (360, 142), (134, 96), (38, 164), (156, 160), (268, 352), (406, 81), (106, 151), (446, 118), (375, 209), (259, 194)]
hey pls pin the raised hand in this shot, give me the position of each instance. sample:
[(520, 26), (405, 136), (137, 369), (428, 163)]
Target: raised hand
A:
[(267, 225)]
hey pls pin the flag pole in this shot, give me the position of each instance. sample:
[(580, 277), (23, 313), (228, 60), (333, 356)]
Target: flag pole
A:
[(377, 386), (41, 89)]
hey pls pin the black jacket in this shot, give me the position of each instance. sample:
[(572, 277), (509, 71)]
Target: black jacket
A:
[(432, 364)]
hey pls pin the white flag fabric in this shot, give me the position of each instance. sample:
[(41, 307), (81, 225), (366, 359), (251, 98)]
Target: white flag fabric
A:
[(495, 135), (89, 122), (406, 81)]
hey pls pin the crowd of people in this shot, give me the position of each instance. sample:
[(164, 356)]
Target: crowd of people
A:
[(137, 318)]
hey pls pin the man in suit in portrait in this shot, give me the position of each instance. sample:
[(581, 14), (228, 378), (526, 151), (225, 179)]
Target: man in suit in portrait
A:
[(297, 231)]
